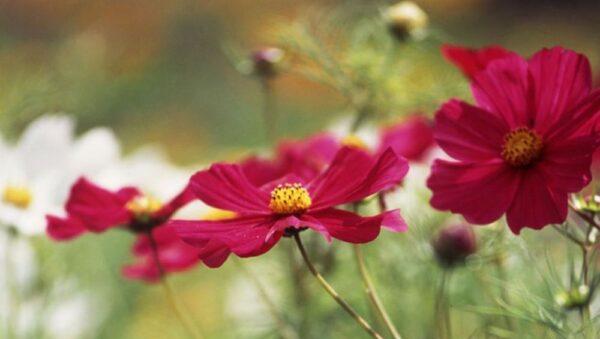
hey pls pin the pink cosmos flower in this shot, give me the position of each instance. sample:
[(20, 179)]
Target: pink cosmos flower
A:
[(91, 208), (526, 145), (472, 61), (290, 204)]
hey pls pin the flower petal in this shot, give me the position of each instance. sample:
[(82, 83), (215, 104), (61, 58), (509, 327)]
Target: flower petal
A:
[(244, 236), (353, 228), (225, 186), (536, 204), (176, 203), (562, 79), (97, 207), (566, 164), (469, 133), (354, 175), (472, 61), (174, 255), (481, 192), (410, 139), (64, 228), (503, 89)]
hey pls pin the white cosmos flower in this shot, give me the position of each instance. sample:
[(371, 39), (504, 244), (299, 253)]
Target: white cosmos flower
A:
[(36, 172)]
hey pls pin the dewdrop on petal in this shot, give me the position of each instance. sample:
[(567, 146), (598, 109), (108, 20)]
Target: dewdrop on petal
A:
[(406, 19)]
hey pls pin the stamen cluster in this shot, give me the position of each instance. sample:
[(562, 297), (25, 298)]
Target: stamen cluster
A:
[(289, 199), (522, 146)]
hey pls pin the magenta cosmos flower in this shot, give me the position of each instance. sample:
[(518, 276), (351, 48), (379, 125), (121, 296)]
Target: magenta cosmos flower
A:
[(91, 208), (411, 138), (472, 61), (290, 204), (525, 146)]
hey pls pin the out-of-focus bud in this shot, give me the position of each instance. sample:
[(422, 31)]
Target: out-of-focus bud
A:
[(576, 297), (267, 61), (406, 19), (587, 203), (453, 244)]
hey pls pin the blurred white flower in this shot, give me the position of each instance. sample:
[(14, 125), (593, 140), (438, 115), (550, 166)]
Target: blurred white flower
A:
[(149, 169), (36, 172)]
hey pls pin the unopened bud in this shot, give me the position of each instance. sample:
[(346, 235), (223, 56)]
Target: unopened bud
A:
[(406, 19), (576, 297), (266, 62), (453, 244)]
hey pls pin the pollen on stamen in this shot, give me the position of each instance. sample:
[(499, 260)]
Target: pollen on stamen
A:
[(522, 146), (289, 199)]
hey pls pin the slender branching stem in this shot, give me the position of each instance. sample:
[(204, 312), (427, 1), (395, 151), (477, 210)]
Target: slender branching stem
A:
[(269, 110), (333, 293), (183, 317)]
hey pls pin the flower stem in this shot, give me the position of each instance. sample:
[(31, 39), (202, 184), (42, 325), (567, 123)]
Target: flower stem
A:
[(284, 329), (269, 111), (442, 309), (183, 317), (372, 293), (333, 293)]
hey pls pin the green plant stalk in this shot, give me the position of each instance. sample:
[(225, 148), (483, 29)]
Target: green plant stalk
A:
[(442, 309), (372, 293), (186, 322), (333, 293)]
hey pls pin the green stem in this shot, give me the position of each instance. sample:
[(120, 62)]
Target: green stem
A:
[(186, 322), (442, 309), (372, 293), (269, 110), (333, 293)]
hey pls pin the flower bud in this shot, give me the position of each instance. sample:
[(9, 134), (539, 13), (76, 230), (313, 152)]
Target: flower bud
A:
[(266, 62), (405, 19), (588, 203), (576, 297), (453, 244)]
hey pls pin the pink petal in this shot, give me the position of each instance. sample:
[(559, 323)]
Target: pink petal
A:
[(566, 165), (580, 120), (353, 176), (226, 187), (97, 207), (214, 253), (469, 133), (410, 138), (244, 236), (350, 227), (64, 228), (174, 255), (481, 192), (536, 204), (472, 61), (176, 203), (504, 89), (562, 79)]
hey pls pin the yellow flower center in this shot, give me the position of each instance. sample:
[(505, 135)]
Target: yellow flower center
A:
[(522, 146), (18, 196), (289, 199), (353, 140), (143, 206)]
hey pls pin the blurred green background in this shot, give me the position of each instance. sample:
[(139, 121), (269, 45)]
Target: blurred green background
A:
[(158, 72)]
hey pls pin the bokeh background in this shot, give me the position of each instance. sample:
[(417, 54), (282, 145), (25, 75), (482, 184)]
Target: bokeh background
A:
[(164, 72)]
